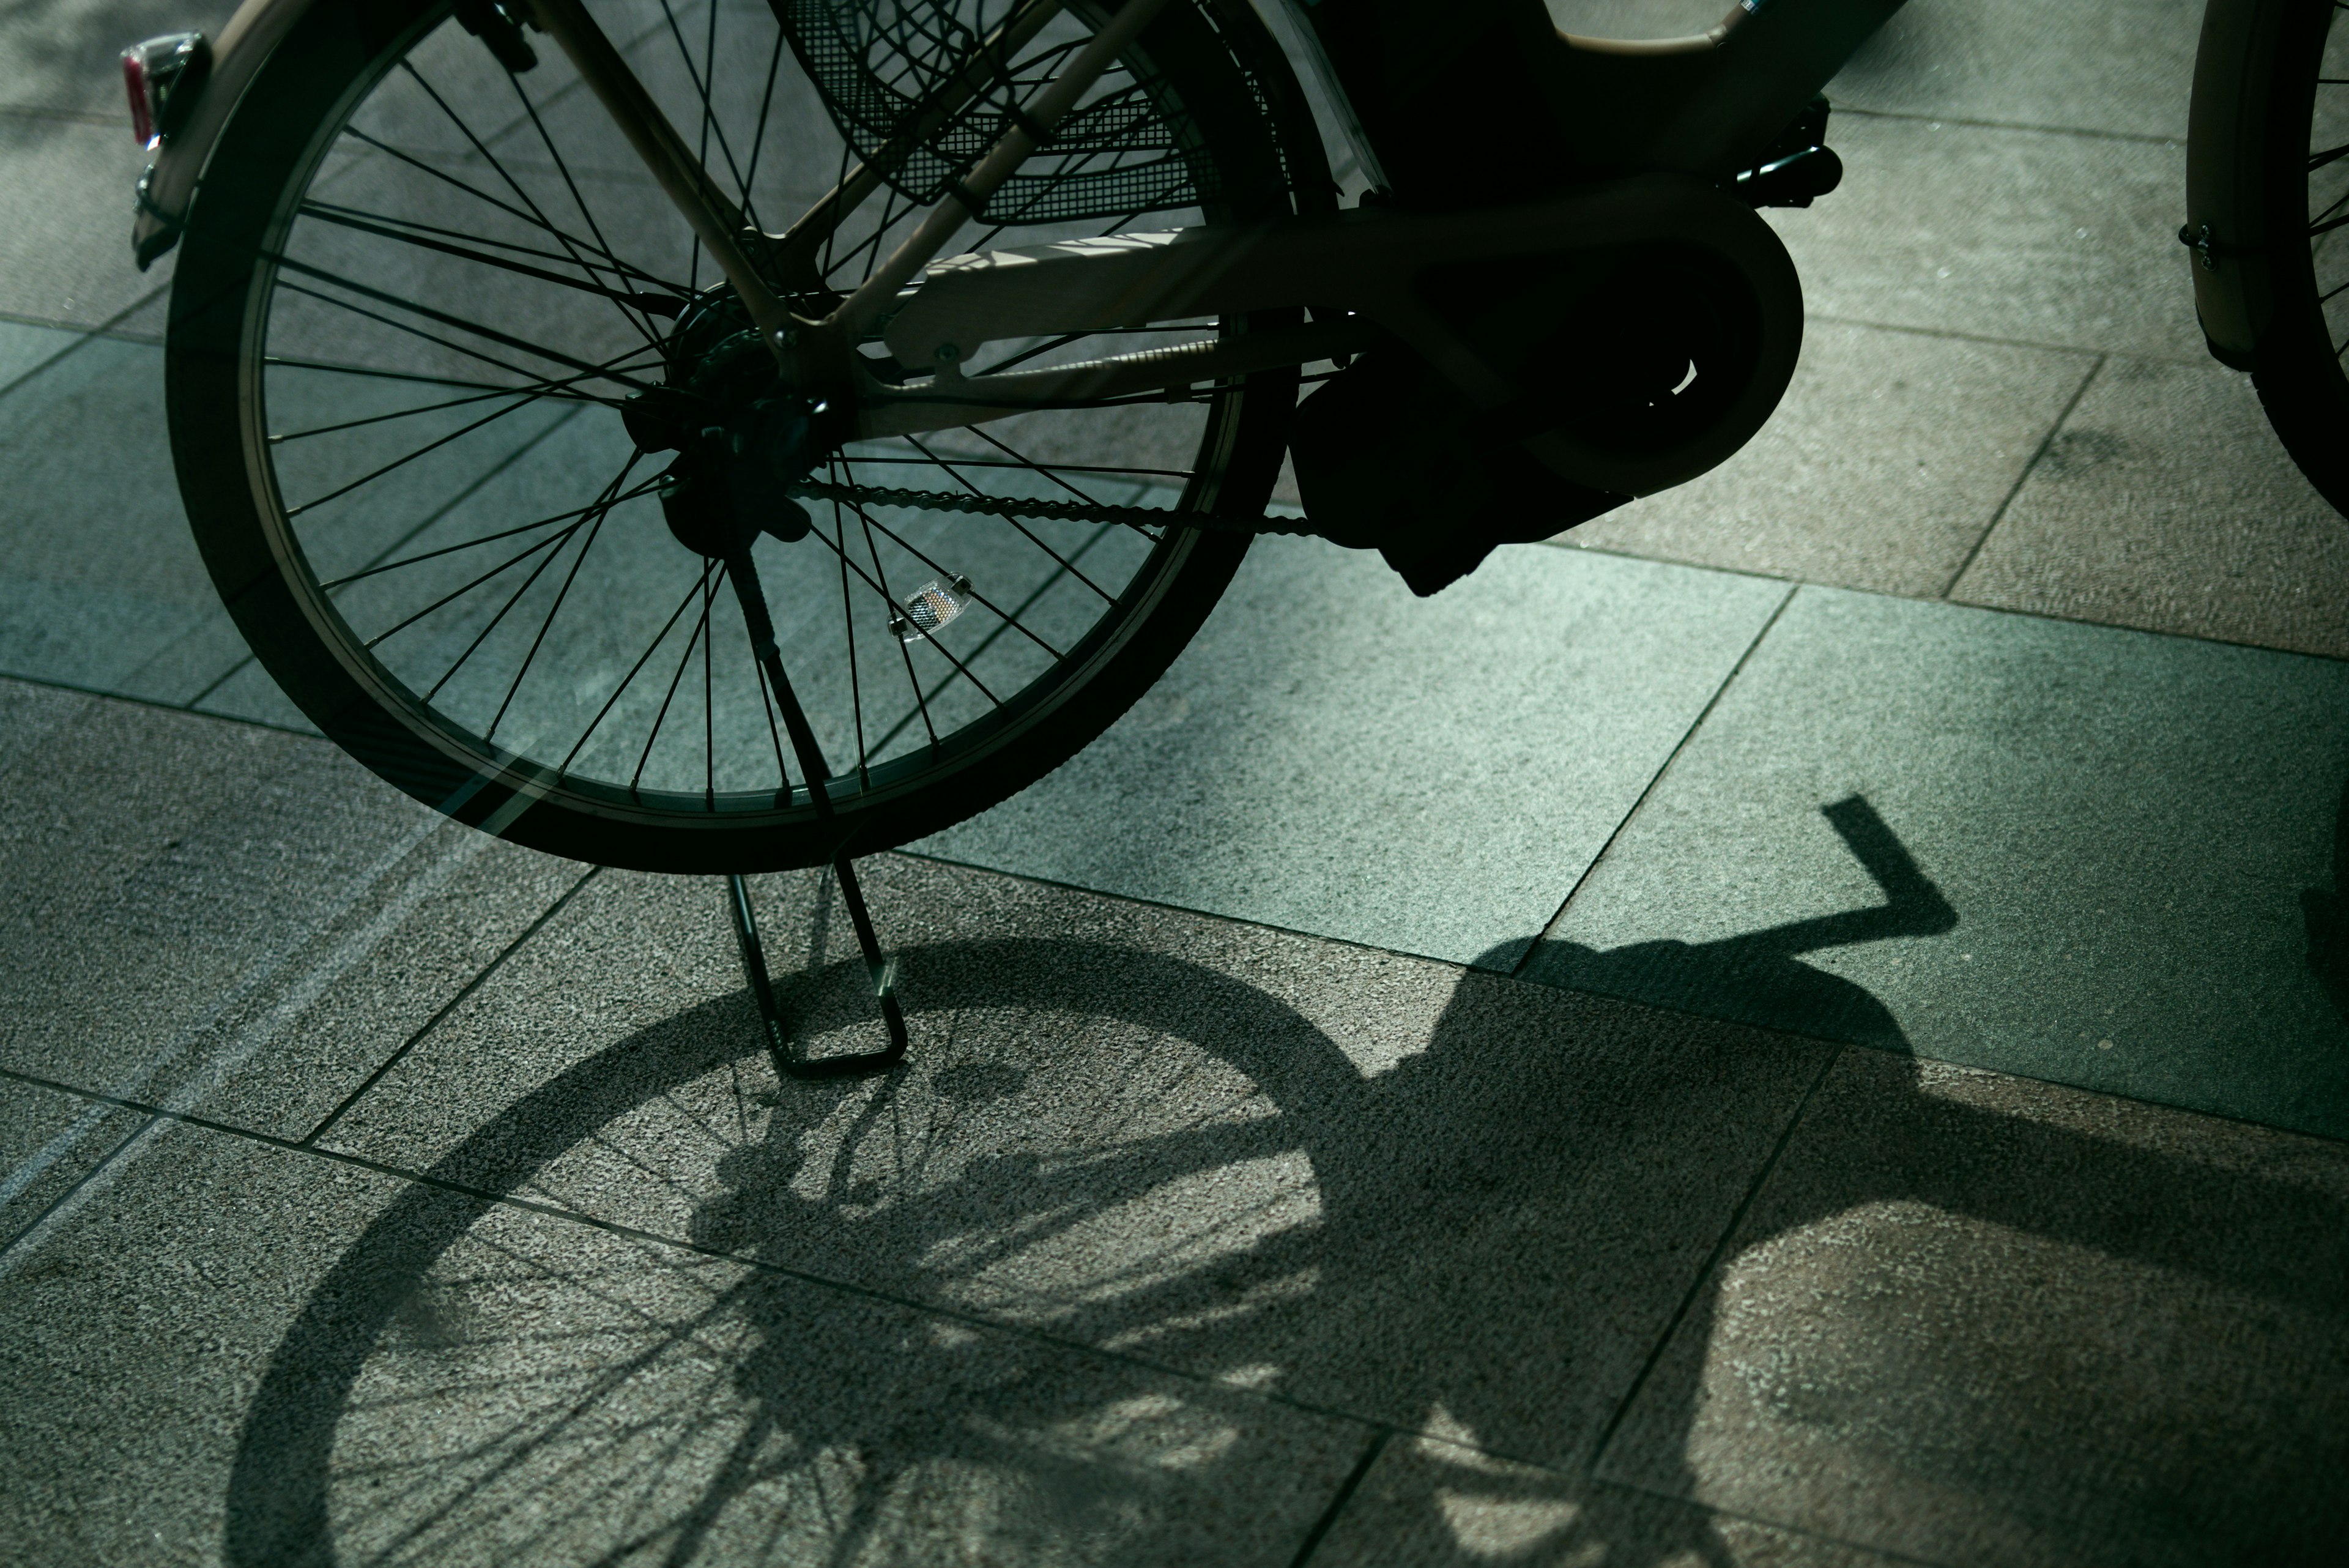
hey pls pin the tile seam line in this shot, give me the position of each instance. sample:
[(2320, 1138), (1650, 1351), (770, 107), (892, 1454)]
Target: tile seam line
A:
[(1139, 902), (158, 706), (309, 1139), (59, 1201), (1713, 1261), (2034, 344), (1516, 970), (1920, 118), (2049, 617), (1320, 1529), (808, 1277), (1765, 1521), (55, 115), (2022, 476), (86, 335)]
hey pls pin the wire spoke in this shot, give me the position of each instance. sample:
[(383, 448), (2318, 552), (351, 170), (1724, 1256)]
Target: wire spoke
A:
[(554, 390), (512, 599), (577, 512), (568, 241), (879, 581), (510, 562), (504, 339), (604, 501), (700, 627), (428, 447), (512, 183), (366, 224), (637, 318), (642, 660), (626, 269), (1025, 605), (975, 489)]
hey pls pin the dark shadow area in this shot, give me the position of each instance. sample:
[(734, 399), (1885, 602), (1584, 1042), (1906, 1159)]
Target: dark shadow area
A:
[(1758, 978), (1493, 1239), (2327, 913)]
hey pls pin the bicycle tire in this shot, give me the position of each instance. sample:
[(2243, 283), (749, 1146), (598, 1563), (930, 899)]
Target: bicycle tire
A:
[(2304, 267), (1221, 97)]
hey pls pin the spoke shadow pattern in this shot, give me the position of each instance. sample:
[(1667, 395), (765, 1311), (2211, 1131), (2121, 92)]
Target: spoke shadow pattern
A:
[(1131, 1239)]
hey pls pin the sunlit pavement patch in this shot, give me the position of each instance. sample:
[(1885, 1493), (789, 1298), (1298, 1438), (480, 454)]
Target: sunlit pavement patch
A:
[(1335, 756), (2137, 837)]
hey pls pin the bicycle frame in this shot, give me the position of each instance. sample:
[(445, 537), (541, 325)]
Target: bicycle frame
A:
[(1683, 115)]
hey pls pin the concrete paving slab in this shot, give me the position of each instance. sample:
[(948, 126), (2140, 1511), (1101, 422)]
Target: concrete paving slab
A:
[(2125, 69), (1379, 1185), (1333, 755), (48, 1142), (1881, 469), (237, 1353), (100, 576), (2024, 235), (216, 916), (1428, 1503), (1971, 1319), (2167, 503), (65, 220), (2091, 856)]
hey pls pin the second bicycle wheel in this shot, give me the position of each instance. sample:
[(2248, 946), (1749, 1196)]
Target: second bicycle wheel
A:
[(418, 292), (2298, 264)]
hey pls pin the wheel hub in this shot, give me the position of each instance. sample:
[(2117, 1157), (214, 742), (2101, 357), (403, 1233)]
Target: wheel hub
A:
[(741, 430)]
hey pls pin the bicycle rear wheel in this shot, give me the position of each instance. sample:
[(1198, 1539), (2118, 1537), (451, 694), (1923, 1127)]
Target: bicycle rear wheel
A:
[(417, 295), (2299, 366)]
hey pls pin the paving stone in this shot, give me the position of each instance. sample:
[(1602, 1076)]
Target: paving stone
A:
[(1375, 1185), (1333, 755), (216, 916), (1881, 469), (2025, 235), (2125, 69), (25, 348), (2092, 855), (1971, 1319), (2167, 503), (1428, 1502), (100, 576), (237, 1353), (61, 53), (65, 220), (103, 587), (48, 1142)]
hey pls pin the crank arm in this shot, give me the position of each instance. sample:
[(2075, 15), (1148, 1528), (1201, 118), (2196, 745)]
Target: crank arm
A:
[(950, 402)]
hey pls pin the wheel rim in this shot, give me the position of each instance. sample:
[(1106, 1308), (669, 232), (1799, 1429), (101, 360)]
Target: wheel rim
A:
[(448, 489), (2328, 181)]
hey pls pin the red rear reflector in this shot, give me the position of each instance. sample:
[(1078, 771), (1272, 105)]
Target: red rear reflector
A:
[(142, 109)]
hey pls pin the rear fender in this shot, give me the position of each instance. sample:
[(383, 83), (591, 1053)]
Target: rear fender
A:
[(2226, 174)]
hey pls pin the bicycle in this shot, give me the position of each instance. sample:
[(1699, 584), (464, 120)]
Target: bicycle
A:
[(443, 288)]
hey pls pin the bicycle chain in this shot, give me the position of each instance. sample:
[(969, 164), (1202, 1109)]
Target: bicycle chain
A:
[(1056, 511)]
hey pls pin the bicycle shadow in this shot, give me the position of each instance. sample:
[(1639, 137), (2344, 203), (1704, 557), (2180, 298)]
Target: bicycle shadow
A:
[(1489, 1243)]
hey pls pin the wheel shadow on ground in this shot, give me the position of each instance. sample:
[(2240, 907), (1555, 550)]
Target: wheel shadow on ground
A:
[(1488, 1243)]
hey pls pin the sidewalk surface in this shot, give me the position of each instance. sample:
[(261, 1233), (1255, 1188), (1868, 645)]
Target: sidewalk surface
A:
[(1804, 1021)]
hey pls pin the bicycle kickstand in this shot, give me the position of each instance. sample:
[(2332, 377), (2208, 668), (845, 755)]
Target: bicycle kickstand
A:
[(883, 971)]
